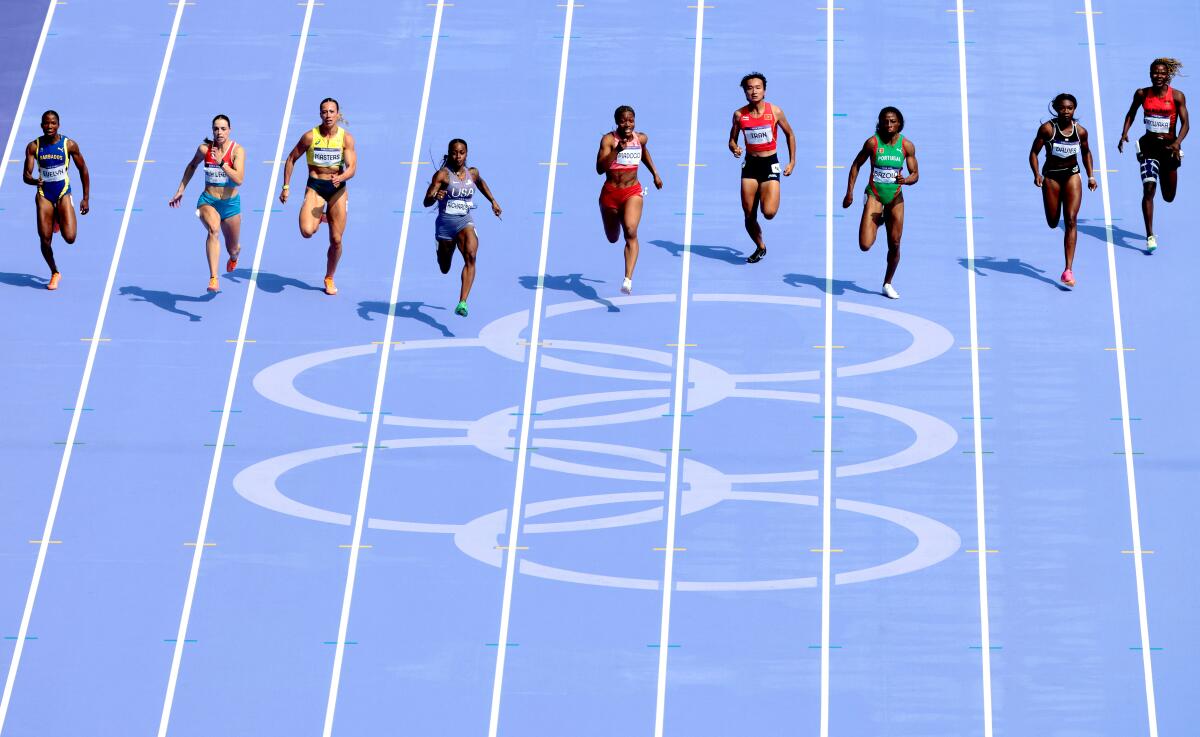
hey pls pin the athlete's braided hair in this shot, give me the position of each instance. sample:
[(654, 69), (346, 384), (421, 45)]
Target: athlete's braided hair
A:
[(209, 141), (450, 146), (1173, 66), (883, 113), (1059, 98)]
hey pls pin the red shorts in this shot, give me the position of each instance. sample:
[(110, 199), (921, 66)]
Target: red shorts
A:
[(611, 198)]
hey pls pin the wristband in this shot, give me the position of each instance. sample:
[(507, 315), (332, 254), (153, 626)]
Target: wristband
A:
[(287, 186)]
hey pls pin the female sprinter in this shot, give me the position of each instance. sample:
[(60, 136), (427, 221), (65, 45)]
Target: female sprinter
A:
[(1158, 150), (1065, 139), (220, 206), (758, 121), (453, 189), (889, 152), (332, 161), (622, 151), (51, 153)]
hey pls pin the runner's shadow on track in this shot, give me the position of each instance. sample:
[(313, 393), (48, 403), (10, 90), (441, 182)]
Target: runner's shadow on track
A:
[(1012, 266), (405, 310), (23, 280), (272, 283), (571, 283), (166, 300), (840, 286), (717, 253), (1121, 237)]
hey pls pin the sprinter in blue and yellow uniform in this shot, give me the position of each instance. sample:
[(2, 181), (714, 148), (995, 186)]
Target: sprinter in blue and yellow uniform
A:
[(51, 154), (332, 160)]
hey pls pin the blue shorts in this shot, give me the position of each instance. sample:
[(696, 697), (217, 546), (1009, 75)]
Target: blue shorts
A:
[(55, 191), (448, 227), (323, 187), (225, 208)]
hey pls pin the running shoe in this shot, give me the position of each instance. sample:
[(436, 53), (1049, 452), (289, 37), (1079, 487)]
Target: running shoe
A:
[(212, 284), (55, 278), (230, 265), (445, 255), (1151, 244), (461, 310), (890, 292), (1068, 278), (330, 287), (627, 286), (758, 255)]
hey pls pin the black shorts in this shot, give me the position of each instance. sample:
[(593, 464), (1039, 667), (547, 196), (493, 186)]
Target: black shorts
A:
[(1062, 176), (761, 168), (1154, 155), (324, 187)]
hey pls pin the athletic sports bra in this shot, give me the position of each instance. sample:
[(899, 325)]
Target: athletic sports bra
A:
[(759, 130), (459, 195), (324, 151), (52, 160), (214, 173), (630, 157), (1062, 151), (1159, 113)]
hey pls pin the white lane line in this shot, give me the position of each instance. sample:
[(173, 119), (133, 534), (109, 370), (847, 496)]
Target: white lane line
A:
[(827, 455), (535, 332), (230, 387), (1119, 337), (81, 397), (985, 632), (677, 405), (360, 515), (16, 124)]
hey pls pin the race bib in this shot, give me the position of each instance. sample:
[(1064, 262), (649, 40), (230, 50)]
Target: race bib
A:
[(214, 175), (328, 157), (457, 207), (1157, 124), (759, 136), (629, 157), (54, 173), (884, 175), (1064, 149)]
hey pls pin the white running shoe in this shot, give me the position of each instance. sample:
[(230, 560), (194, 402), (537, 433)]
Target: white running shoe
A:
[(627, 286), (1151, 244), (890, 292)]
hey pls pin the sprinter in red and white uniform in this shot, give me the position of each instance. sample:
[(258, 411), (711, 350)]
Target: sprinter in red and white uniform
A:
[(622, 152), (759, 122), (1158, 150)]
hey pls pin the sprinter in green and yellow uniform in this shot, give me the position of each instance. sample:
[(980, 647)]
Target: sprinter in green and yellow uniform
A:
[(889, 153)]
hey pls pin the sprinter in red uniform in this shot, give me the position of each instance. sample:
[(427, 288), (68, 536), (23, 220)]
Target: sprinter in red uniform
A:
[(758, 121), (622, 152)]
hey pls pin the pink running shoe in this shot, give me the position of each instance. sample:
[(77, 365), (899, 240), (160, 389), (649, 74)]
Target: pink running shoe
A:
[(1068, 278)]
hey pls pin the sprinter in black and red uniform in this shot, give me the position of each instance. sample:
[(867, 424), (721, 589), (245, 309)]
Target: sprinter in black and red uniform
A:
[(758, 121), (1158, 150)]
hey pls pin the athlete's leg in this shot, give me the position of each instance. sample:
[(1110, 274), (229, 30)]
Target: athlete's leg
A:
[(1170, 182), (310, 213), (45, 229), (1148, 190), (445, 255), (468, 245), (335, 213), (212, 244), (1072, 196), (872, 218), (631, 217), (64, 211), (612, 223), (750, 189), (768, 198), (895, 229), (231, 228), (1051, 201)]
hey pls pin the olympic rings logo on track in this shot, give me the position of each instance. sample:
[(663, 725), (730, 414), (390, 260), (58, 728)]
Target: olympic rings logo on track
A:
[(703, 485)]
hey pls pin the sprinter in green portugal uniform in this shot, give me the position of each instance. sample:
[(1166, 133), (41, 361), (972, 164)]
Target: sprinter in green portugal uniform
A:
[(889, 153)]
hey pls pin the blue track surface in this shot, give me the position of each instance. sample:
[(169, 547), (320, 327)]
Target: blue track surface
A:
[(582, 657)]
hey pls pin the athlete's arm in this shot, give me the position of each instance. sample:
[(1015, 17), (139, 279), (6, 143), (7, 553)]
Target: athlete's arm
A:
[(188, 171), (30, 165), (487, 192), (437, 188), (786, 127), (1181, 111), (649, 162), (236, 170), (350, 165), (1044, 131), (910, 159), (733, 136), (296, 152), (1138, 96), (77, 156), (609, 148), (1086, 150), (861, 158)]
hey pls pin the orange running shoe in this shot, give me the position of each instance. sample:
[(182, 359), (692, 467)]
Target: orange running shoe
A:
[(55, 278), (230, 265), (330, 288), (212, 285)]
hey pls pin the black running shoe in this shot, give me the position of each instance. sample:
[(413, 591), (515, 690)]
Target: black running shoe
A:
[(758, 255)]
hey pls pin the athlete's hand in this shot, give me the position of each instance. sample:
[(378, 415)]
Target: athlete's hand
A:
[(1092, 183), (174, 201), (283, 195), (441, 195), (657, 182), (847, 200), (83, 206), (1176, 151), (1121, 144), (496, 209), (337, 179), (737, 151), (787, 170), (1037, 180)]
